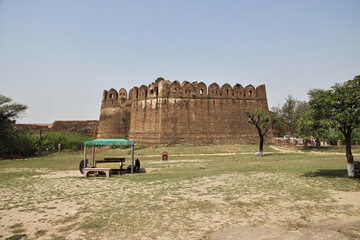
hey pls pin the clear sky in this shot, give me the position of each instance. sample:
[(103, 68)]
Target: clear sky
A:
[(57, 56)]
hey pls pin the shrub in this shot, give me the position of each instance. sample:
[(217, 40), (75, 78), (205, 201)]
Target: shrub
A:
[(68, 140), (25, 144)]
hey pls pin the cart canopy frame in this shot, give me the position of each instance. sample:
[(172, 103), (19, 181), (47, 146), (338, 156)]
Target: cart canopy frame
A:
[(104, 142)]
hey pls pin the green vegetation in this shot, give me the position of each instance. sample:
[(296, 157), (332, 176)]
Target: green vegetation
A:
[(8, 113), (262, 123), (17, 237), (329, 115), (199, 190), (25, 144), (288, 115), (68, 140), (337, 108)]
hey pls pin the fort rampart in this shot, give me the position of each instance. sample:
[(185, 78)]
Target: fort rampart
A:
[(86, 127), (167, 112)]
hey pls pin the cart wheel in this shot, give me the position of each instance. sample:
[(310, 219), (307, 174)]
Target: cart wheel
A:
[(81, 167)]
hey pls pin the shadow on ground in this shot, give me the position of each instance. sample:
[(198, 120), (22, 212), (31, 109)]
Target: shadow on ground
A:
[(330, 173)]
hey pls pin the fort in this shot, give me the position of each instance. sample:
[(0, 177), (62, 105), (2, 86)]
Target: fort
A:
[(166, 112)]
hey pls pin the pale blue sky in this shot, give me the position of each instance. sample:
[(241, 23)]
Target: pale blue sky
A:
[(57, 56)]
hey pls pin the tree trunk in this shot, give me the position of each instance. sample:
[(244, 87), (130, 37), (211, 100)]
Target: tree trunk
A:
[(349, 156), (261, 147)]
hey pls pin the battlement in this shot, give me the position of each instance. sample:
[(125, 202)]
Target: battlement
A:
[(166, 112), (165, 89)]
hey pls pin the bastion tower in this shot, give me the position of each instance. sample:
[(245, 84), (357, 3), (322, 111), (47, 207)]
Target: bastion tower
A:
[(167, 112)]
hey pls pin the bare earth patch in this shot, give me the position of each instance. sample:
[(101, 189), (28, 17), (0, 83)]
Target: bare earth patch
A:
[(60, 174), (334, 230), (168, 202)]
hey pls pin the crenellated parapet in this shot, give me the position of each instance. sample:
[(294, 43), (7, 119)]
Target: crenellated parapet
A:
[(162, 88), (166, 112)]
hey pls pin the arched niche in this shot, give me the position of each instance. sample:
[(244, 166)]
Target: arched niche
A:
[(238, 91), (250, 91), (188, 90), (175, 89), (112, 94), (201, 90), (123, 93), (226, 91), (133, 93), (142, 92), (214, 90), (152, 91)]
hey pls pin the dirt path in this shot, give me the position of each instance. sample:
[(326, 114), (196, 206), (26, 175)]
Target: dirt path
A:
[(285, 150)]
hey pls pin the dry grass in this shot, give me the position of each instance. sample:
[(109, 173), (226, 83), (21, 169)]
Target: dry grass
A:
[(199, 191)]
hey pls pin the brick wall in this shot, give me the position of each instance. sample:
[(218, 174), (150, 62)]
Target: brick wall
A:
[(86, 128), (189, 113)]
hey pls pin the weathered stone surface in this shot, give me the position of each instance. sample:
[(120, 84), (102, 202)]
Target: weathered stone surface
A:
[(187, 113), (86, 127)]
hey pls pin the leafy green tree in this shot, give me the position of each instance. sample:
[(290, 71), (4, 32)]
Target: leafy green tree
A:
[(263, 124), (8, 113), (309, 126), (339, 108), (289, 114), (356, 135)]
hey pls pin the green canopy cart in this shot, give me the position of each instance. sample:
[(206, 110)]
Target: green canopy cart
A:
[(104, 142)]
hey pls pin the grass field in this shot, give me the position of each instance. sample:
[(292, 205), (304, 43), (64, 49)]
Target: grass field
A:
[(200, 191)]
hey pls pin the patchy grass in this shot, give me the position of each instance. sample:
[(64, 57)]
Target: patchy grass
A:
[(333, 149), (17, 237), (201, 189), (40, 233)]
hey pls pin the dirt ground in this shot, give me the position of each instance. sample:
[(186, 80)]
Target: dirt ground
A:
[(55, 205), (57, 215), (332, 230)]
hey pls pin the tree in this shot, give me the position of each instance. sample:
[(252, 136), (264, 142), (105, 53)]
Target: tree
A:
[(339, 108), (289, 114), (262, 123), (309, 126), (8, 113)]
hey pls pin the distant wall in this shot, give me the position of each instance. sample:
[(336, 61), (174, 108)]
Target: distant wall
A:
[(86, 128), (33, 128)]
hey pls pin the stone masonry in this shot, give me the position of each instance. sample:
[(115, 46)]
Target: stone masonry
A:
[(167, 112)]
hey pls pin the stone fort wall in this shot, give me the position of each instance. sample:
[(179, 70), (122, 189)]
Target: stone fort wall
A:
[(167, 112), (86, 127)]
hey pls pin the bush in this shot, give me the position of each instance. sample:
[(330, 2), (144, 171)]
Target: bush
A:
[(24, 144), (68, 140)]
